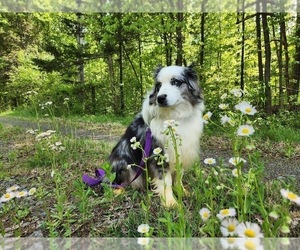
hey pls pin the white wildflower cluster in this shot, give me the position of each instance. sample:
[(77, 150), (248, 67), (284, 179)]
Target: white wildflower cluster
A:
[(13, 192), (57, 146), (231, 227), (170, 129), (45, 135), (134, 143), (228, 118), (159, 157), (170, 124), (45, 105)]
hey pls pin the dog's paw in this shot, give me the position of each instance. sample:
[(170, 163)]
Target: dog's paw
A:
[(170, 202)]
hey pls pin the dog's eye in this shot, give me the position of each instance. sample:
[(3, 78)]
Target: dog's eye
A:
[(176, 82)]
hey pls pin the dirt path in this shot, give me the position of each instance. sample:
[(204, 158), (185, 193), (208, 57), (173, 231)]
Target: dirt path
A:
[(276, 166)]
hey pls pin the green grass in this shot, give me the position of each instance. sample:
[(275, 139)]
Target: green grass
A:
[(63, 206)]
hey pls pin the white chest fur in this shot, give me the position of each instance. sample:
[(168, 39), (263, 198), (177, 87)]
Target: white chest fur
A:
[(189, 131)]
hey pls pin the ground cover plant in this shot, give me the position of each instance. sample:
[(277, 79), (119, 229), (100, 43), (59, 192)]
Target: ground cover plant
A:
[(42, 192)]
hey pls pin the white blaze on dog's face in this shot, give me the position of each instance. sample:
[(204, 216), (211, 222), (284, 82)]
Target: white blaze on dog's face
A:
[(169, 80), (175, 85)]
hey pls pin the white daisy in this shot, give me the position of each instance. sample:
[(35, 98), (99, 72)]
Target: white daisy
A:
[(207, 116), (20, 194), (228, 226), (204, 213), (245, 130), (245, 108), (7, 196), (228, 212), (290, 195), (210, 161), (31, 191), (236, 160), (235, 172), (143, 228), (249, 230), (12, 188)]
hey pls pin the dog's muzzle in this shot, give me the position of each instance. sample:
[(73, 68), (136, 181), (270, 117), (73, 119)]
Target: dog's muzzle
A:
[(162, 100)]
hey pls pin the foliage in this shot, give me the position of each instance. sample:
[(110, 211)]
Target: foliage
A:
[(104, 62)]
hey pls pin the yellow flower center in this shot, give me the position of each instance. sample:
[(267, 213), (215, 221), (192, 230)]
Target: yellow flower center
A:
[(205, 215), (205, 117), (250, 232), (225, 212), (249, 245), (248, 110), (291, 196), (245, 131), (231, 228), (7, 195)]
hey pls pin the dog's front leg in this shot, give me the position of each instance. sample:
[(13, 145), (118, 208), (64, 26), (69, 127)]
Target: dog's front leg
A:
[(163, 188)]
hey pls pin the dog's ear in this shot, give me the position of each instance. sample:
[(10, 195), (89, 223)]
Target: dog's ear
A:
[(192, 78), (192, 65), (192, 82)]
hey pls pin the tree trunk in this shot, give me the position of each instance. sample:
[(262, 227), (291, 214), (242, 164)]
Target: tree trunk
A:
[(202, 34), (121, 84), (293, 88), (267, 47), (167, 44), (278, 48), (203, 16), (140, 68), (259, 52), (179, 38), (80, 59), (286, 51), (242, 84)]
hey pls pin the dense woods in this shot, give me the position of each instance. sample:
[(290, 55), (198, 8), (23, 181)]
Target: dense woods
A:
[(103, 62)]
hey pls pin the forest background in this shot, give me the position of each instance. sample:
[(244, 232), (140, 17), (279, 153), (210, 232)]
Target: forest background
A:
[(102, 63)]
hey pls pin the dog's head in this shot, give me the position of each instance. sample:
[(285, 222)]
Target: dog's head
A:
[(175, 85)]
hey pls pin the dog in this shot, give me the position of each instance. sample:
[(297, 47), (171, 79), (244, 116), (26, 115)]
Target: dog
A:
[(175, 96)]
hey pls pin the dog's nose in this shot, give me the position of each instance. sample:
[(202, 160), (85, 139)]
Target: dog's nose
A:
[(162, 99)]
